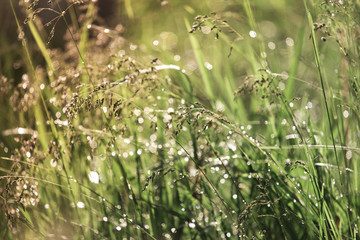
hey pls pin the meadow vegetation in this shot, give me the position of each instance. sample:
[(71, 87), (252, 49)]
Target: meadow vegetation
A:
[(179, 119)]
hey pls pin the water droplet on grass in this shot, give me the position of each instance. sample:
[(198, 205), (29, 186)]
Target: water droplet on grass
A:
[(208, 65), (206, 30), (252, 34), (53, 162), (94, 177), (289, 41), (21, 130), (80, 204), (93, 144), (271, 45), (192, 225), (348, 154)]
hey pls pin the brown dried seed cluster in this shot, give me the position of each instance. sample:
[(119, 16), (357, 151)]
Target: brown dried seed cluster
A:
[(263, 86), (21, 188)]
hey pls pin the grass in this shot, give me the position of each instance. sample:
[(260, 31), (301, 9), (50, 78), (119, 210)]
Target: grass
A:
[(184, 124)]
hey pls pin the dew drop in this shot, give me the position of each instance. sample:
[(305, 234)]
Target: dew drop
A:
[(80, 204), (192, 225), (348, 154), (94, 177), (206, 30), (252, 34), (53, 162), (93, 144), (309, 105), (289, 41), (271, 45), (21, 130)]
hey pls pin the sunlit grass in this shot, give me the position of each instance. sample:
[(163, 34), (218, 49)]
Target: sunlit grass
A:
[(187, 124)]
